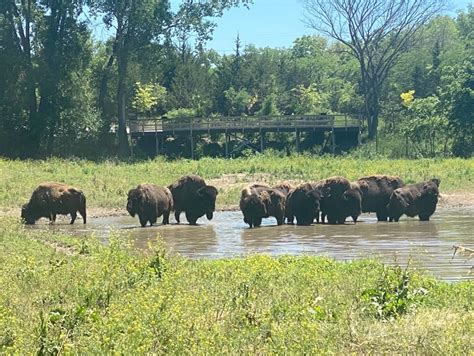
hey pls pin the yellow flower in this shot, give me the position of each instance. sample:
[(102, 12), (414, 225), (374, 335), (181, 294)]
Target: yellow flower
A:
[(408, 97)]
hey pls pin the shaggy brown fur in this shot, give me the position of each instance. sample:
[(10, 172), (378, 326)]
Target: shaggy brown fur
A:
[(51, 199), (303, 202), (340, 199), (192, 196), (414, 199), (259, 201), (376, 191), (284, 187), (149, 202)]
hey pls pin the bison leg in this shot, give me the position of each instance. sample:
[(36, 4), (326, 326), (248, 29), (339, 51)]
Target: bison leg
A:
[(257, 222), (280, 219), (191, 219), (382, 215), (424, 218), (143, 220), (290, 219), (166, 218), (73, 217), (177, 213), (52, 218)]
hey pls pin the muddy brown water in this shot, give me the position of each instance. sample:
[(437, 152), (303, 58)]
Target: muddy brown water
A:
[(427, 245)]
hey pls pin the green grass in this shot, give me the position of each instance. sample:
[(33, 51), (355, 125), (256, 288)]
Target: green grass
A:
[(61, 294), (107, 183)]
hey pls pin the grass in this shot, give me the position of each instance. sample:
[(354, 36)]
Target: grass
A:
[(107, 183), (75, 295)]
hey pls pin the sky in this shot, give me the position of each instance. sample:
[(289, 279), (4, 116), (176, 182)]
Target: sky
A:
[(267, 23), (272, 23)]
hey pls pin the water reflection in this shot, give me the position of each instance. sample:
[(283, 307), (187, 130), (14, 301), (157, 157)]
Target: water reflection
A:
[(428, 243)]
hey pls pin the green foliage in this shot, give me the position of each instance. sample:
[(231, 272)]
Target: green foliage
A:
[(147, 96), (394, 295), (238, 102), (309, 100), (118, 300)]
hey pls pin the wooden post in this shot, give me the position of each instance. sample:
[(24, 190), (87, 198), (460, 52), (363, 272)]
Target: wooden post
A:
[(226, 145), (156, 140), (333, 142), (262, 140), (297, 140), (192, 140)]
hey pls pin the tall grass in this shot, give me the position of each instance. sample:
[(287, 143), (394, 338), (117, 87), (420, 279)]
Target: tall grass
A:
[(67, 295), (107, 183)]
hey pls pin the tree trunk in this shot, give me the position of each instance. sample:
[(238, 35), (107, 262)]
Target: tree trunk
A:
[(124, 149), (103, 90)]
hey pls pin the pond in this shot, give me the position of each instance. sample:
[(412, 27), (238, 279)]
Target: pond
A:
[(427, 245)]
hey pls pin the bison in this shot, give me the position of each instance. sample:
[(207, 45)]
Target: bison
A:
[(376, 192), (194, 197), (340, 199), (303, 202), (51, 199), (149, 202), (260, 201), (414, 199)]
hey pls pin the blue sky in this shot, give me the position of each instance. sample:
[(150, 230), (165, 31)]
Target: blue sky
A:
[(267, 23), (272, 23)]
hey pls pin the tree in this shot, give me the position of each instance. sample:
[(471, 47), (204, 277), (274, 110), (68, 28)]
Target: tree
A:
[(376, 32), (138, 22)]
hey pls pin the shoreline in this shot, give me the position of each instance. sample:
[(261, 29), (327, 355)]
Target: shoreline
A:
[(454, 200)]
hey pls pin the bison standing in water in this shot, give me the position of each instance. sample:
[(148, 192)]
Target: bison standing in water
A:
[(376, 192), (340, 200), (194, 197), (149, 202), (51, 199), (259, 201), (303, 202), (414, 199)]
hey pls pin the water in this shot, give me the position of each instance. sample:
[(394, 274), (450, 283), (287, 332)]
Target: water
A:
[(428, 245)]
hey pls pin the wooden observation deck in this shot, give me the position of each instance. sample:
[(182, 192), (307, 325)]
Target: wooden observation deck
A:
[(340, 127)]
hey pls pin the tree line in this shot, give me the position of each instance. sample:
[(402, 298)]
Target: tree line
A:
[(65, 92)]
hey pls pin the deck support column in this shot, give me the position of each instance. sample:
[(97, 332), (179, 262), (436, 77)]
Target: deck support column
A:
[(191, 138), (262, 140), (333, 142), (297, 133), (226, 145)]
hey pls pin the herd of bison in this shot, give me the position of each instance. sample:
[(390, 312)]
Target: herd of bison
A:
[(334, 199)]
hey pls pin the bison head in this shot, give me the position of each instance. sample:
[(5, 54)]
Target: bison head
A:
[(313, 197), (27, 215), (206, 197), (134, 201), (254, 208), (353, 201)]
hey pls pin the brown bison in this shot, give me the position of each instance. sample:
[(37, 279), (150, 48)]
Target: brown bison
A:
[(51, 199), (260, 201), (340, 199), (303, 202), (149, 202), (349, 205), (414, 199), (194, 197), (376, 192)]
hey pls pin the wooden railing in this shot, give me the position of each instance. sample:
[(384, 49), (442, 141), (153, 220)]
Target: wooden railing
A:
[(138, 125)]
